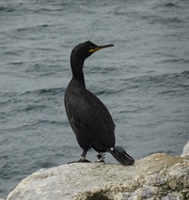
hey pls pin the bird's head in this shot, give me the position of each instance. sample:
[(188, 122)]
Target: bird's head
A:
[(84, 50)]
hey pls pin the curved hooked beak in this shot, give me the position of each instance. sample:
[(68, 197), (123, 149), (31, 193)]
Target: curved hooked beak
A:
[(100, 47)]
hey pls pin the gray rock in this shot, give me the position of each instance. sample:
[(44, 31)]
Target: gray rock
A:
[(158, 176)]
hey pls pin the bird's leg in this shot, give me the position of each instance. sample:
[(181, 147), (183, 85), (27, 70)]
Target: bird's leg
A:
[(101, 157), (83, 156)]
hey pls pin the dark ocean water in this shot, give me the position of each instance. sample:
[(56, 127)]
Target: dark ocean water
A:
[(143, 80)]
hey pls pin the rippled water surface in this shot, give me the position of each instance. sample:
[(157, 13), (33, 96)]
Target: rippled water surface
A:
[(143, 79)]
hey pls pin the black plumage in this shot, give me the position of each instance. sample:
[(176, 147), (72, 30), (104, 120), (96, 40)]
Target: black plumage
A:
[(87, 115)]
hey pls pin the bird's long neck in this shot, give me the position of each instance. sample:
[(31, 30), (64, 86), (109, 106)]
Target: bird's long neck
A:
[(77, 70)]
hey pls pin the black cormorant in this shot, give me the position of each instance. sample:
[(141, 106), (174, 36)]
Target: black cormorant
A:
[(87, 115)]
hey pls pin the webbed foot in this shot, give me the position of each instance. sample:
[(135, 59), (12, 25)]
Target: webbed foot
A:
[(80, 161), (101, 157), (84, 161)]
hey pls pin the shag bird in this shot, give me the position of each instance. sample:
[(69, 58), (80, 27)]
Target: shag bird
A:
[(88, 116)]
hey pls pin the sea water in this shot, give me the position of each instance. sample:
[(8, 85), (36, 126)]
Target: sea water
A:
[(143, 80)]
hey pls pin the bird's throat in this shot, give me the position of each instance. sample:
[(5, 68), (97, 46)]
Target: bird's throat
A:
[(77, 71)]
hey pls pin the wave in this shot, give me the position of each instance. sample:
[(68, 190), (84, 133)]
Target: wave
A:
[(45, 69), (175, 84), (15, 97), (34, 124), (45, 92), (161, 79), (171, 5), (6, 9)]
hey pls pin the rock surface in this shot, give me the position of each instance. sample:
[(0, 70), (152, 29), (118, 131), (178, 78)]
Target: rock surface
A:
[(158, 176)]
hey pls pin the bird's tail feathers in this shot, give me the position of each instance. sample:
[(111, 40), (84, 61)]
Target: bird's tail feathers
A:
[(121, 156)]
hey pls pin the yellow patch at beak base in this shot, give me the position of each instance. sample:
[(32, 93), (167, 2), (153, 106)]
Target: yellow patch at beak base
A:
[(100, 47), (95, 49)]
